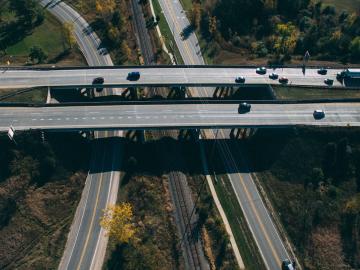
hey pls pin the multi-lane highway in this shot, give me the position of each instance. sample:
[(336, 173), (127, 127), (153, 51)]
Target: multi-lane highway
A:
[(158, 76), (176, 116), (258, 219), (86, 243)]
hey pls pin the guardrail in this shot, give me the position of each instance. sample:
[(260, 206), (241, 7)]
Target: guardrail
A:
[(166, 66), (174, 102)]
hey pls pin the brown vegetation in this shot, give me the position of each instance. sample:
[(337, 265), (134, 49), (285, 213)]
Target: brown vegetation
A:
[(39, 191)]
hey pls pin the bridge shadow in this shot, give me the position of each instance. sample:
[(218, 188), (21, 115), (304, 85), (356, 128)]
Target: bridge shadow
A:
[(159, 157)]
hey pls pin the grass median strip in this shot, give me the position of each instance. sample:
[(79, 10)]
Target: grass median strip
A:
[(167, 33)]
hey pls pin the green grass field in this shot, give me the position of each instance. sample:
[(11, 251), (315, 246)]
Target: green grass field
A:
[(37, 95), (313, 93), (187, 4), (49, 36)]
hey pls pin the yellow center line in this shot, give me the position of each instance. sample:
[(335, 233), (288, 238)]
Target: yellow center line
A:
[(92, 218), (248, 196), (240, 177), (173, 15)]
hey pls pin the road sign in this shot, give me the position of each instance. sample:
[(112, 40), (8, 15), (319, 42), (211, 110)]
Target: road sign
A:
[(307, 56), (11, 133)]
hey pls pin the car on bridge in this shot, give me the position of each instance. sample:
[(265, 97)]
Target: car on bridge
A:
[(133, 76), (322, 71), (274, 76), (244, 108), (98, 81), (319, 114), (283, 80), (261, 70), (240, 79), (329, 82)]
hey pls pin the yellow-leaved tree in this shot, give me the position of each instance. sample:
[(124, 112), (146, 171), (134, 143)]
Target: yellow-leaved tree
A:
[(105, 7), (69, 34), (287, 35), (117, 221)]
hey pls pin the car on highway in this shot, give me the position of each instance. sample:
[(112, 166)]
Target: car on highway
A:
[(261, 70), (240, 79), (319, 114), (244, 107), (322, 71), (98, 81), (287, 265), (283, 80), (274, 76), (329, 82), (133, 76)]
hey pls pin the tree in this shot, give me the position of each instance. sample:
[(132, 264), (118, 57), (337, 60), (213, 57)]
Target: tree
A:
[(213, 25), (105, 8), (126, 50), (37, 53), (355, 49), (117, 222), (287, 35), (196, 15), (69, 34)]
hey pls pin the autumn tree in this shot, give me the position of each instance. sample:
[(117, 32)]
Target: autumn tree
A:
[(117, 221), (287, 35), (106, 8), (126, 50), (196, 15), (69, 34), (212, 25)]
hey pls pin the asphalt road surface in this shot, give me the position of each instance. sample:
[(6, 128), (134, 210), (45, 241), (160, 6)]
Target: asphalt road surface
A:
[(86, 243), (176, 116), (258, 219), (155, 76)]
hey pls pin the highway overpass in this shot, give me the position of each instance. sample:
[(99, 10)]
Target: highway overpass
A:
[(175, 116), (158, 76)]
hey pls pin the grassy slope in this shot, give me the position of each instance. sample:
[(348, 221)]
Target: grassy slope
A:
[(38, 200), (48, 36), (166, 32), (349, 5), (313, 93)]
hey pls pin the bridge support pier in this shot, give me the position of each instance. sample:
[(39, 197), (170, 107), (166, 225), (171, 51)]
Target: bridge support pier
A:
[(242, 133), (189, 134)]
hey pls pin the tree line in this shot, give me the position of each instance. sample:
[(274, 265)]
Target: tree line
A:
[(280, 27)]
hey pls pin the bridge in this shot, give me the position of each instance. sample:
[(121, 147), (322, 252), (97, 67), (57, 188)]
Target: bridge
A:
[(179, 116), (158, 76)]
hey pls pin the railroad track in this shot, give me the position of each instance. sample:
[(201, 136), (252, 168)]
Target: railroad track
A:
[(181, 194)]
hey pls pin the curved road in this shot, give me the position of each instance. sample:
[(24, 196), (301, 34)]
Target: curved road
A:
[(86, 243)]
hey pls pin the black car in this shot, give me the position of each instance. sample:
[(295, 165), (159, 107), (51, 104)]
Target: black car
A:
[(98, 81), (261, 70), (322, 71), (133, 76), (319, 114), (244, 107), (240, 79), (273, 76), (329, 82), (283, 80)]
